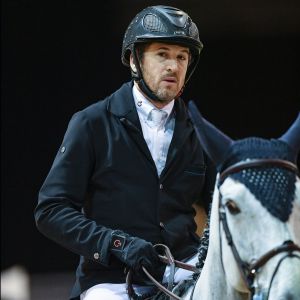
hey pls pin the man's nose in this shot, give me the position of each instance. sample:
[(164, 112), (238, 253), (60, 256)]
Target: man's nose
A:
[(172, 65)]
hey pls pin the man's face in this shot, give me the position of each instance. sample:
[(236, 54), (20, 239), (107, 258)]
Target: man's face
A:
[(164, 68)]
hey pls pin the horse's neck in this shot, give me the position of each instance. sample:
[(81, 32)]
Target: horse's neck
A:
[(212, 284), (294, 219)]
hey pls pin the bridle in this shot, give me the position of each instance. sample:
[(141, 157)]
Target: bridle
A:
[(249, 271)]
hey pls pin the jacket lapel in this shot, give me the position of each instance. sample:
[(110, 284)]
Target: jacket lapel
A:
[(121, 104), (182, 131)]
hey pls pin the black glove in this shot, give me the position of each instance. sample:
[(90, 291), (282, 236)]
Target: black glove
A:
[(135, 253)]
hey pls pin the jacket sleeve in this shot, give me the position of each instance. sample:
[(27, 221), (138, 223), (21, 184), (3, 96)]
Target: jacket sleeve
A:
[(58, 214)]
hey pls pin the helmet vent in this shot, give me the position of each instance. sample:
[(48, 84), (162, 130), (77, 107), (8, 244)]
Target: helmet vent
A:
[(153, 23), (193, 31)]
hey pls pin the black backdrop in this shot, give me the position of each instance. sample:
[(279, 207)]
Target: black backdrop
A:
[(58, 57)]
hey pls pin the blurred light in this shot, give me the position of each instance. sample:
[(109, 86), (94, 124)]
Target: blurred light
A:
[(15, 284)]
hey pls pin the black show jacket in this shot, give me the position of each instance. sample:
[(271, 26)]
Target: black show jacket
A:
[(104, 178)]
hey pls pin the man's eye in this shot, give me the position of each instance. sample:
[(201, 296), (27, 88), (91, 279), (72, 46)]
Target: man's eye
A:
[(182, 57), (162, 54)]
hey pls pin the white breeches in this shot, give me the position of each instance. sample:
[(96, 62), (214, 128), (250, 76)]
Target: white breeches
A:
[(117, 291)]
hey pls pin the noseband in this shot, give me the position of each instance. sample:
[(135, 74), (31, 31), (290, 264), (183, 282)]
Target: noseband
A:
[(249, 271)]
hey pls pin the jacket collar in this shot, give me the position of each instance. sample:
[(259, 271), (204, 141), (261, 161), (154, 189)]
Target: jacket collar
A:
[(121, 104)]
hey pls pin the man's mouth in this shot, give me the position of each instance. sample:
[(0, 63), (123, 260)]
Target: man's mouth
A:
[(170, 79)]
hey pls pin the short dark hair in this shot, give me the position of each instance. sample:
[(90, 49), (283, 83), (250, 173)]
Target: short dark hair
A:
[(140, 49)]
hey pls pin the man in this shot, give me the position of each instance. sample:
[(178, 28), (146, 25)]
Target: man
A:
[(130, 167)]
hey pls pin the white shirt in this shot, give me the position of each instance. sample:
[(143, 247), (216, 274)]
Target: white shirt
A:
[(158, 135)]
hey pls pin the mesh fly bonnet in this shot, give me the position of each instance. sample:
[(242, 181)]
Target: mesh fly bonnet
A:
[(274, 187)]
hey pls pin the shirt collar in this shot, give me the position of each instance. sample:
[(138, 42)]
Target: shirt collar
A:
[(144, 106)]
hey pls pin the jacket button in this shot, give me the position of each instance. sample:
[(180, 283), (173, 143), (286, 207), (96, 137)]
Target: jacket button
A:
[(161, 186), (96, 255)]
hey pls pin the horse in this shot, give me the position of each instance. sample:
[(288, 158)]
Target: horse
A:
[(254, 237), (254, 226)]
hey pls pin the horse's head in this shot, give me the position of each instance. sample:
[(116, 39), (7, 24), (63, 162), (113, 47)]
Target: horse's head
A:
[(257, 197)]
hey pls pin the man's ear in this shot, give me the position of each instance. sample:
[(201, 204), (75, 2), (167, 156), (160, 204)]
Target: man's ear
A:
[(132, 64)]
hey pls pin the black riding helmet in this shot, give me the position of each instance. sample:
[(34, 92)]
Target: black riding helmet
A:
[(160, 24)]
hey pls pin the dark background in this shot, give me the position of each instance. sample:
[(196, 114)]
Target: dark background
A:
[(58, 57)]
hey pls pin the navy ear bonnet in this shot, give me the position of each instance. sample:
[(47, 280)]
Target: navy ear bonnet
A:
[(255, 147), (274, 187)]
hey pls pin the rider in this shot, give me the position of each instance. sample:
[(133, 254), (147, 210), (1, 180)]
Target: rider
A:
[(130, 167)]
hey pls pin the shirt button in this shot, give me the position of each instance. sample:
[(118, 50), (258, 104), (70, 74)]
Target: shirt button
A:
[(96, 255), (63, 149), (161, 186), (161, 225)]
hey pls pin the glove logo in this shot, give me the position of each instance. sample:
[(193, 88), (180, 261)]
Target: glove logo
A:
[(117, 243)]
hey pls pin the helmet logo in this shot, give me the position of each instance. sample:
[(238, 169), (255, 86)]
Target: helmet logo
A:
[(179, 32)]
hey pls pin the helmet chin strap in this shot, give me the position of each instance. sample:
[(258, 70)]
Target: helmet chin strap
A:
[(138, 78), (146, 90)]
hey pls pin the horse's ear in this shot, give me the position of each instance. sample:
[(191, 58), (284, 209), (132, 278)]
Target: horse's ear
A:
[(292, 136), (214, 142)]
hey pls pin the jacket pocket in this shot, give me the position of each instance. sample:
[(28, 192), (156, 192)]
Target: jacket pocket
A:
[(196, 170)]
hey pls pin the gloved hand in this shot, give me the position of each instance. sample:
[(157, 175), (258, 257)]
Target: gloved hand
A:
[(135, 253)]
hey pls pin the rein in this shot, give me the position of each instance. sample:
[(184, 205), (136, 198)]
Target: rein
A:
[(249, 271), (169, 260)]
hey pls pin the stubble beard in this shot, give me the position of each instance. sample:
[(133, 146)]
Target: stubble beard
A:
[(164, 95)]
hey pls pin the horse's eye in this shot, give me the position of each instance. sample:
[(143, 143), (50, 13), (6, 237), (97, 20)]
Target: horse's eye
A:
[(232, 207)]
